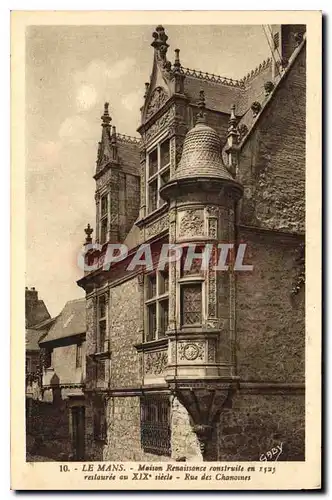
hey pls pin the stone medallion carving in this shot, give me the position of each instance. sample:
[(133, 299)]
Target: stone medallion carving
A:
[(191, 351), (158, 98)]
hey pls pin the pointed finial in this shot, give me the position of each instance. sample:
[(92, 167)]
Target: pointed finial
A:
[(160, 40), (201, 105), (88, 231), (147, 85), (232, 118), (106, 119), (177, 64)]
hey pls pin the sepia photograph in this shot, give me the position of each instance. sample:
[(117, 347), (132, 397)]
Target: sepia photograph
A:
[(165, 248)]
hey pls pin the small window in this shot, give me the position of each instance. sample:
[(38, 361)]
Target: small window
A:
[(102, 323), (152, 286), (152, 322), (104, 205), (78, 355), (153, 195), (156, 425), (103, 231), (153, 162), (48, 358), (163, 320), (191, 304), (99, 421)]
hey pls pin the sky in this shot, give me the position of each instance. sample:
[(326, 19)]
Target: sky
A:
[(70, 72)]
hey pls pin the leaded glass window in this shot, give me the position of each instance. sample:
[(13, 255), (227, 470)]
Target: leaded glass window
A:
[(191, 304)]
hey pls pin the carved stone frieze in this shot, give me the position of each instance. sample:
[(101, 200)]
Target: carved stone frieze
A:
[(191, 223), (155, 362), (157, 227), (160, 124), (158, 97)]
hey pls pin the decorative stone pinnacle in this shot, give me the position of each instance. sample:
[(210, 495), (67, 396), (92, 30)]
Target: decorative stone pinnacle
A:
[(147, 85), (106, 119), (177, 64), (201, 116), (160, 40), (88, 231), (232, 118)]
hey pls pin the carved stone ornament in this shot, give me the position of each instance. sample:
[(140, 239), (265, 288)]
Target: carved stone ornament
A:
[(155, 362), (255, 108), (191, 351), (160, 124), (157, 227), (192, 223), (158, 98)]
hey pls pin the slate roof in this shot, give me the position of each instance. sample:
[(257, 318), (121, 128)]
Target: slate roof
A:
[(128, 150), (71, 321), (219, 97), (32, 338)]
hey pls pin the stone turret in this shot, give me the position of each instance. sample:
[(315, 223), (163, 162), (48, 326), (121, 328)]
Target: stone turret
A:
[(202, 202)]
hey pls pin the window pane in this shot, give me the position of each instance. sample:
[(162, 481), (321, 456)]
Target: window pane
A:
[(191, 304), (153, 195), (164, 177), (163, 319), (152, 286), (104, 205), (152, 322), (164, 154), (163, 281), (102, 335), (193, 267), (156, 425), (102, 306), (103, 231), (153, 162), (78, 356)]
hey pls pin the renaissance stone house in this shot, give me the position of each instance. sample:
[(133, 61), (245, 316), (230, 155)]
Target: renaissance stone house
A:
[(202, 364)]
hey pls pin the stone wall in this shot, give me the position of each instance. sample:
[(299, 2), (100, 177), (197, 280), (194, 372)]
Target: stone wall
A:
[(124, 321), (257, 423), (270, 319), (272, 161)]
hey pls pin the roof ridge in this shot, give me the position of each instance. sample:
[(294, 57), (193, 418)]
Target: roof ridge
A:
[(128, 138), (211, 77), (254, 72)]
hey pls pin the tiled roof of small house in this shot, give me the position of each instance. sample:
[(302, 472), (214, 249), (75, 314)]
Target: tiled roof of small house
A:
[(71, 321), (32, 338)]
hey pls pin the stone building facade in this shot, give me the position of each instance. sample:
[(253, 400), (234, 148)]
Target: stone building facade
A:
[(201, 364)]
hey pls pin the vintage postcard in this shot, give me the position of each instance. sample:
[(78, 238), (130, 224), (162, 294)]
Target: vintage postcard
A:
[(166, 246)]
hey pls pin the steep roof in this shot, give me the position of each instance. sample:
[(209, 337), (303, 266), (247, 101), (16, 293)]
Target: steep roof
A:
[(71, 321), (32, 338), (128, 150)]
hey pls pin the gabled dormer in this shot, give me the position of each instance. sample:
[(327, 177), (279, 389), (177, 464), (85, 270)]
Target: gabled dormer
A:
[(117, 183)]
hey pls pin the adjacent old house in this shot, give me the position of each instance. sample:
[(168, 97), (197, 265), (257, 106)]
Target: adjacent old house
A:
[(201, 364)]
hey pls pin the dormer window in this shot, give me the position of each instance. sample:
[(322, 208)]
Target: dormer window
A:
[(158, 168)]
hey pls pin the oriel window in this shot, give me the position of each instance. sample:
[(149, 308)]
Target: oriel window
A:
[(191, 304), (158, 173)]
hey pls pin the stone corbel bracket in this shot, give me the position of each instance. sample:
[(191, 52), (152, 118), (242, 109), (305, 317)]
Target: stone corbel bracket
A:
[(204, 401)]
